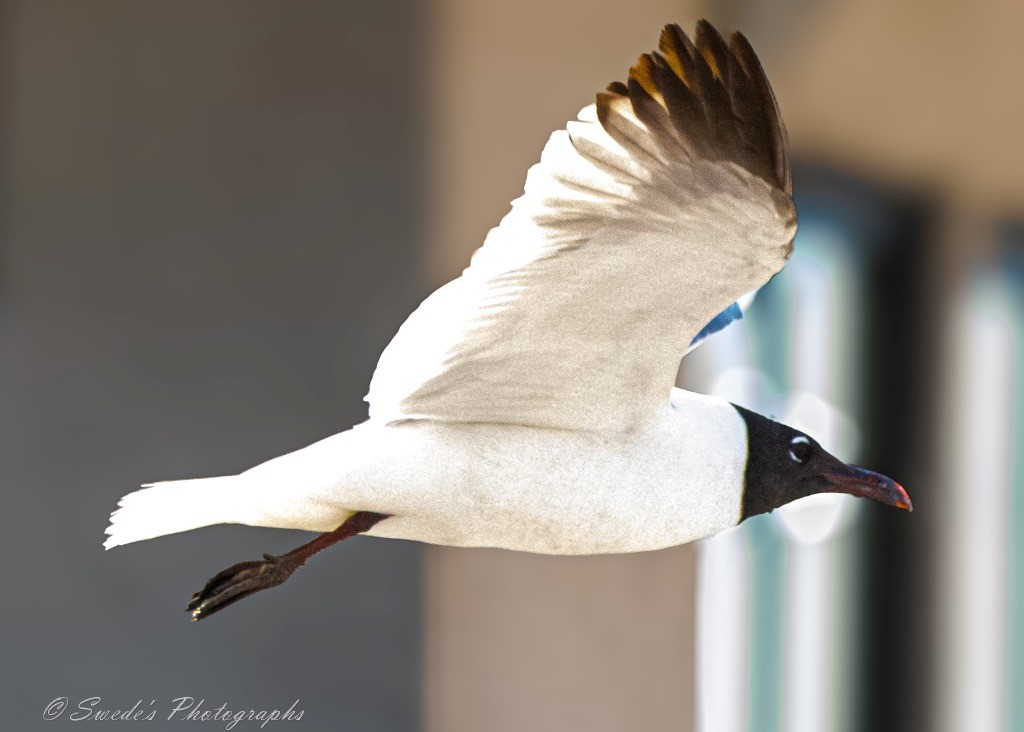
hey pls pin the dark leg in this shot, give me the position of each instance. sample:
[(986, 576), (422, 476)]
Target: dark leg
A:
[(245, 578)]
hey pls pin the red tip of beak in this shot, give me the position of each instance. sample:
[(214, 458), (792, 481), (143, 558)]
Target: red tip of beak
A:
[(903, 501)]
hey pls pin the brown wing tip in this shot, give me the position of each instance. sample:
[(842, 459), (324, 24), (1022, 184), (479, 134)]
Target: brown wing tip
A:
[(716, 99)]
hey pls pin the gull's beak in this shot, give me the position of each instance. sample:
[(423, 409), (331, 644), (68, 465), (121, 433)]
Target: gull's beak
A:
[(868, 484)]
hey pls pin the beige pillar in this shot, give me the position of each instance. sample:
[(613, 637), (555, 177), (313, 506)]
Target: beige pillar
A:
[(516, 641)]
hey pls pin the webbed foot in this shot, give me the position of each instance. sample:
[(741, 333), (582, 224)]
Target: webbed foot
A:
[(239, 581)]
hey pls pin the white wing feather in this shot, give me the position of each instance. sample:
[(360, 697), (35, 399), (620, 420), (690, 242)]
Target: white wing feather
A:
[(629, 237)]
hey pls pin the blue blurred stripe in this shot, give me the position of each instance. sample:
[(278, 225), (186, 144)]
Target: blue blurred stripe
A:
[(767, 625), (1013, 267)]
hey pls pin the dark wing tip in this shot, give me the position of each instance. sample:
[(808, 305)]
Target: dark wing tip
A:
[(707, 97)]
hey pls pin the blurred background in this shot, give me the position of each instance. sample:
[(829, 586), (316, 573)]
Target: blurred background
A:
[(213, 217)]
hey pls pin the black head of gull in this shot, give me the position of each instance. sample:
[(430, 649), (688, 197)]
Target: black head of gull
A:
[(784, 465)]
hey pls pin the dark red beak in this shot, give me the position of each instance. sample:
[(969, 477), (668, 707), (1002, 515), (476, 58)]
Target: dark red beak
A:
[(868, 484)]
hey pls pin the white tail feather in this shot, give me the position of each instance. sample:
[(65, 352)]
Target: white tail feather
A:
[(173, 506)]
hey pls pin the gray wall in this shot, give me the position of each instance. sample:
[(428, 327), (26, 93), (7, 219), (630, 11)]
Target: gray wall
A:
[(209, 232)]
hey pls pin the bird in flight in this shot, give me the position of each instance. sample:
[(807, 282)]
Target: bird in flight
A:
[(530, 403)]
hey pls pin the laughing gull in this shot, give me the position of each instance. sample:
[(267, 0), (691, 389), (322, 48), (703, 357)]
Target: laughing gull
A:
[(529, 404)]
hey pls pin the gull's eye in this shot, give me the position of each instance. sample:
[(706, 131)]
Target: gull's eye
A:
[(799, 449)]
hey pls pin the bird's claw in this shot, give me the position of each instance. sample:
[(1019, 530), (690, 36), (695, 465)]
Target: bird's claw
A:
[(239, 581)]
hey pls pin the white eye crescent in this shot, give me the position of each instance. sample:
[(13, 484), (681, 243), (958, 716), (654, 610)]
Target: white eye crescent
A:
[(799, 449)]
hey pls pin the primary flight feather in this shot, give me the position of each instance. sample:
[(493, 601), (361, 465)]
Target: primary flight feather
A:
[(529, 404)]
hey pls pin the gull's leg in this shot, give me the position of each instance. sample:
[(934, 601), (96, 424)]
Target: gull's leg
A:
[(245, 578)]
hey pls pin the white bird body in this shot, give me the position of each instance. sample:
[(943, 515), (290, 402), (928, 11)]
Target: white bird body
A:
[(535, 489)]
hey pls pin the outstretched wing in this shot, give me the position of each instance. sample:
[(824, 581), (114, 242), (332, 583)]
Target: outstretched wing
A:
[(665, 202)]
